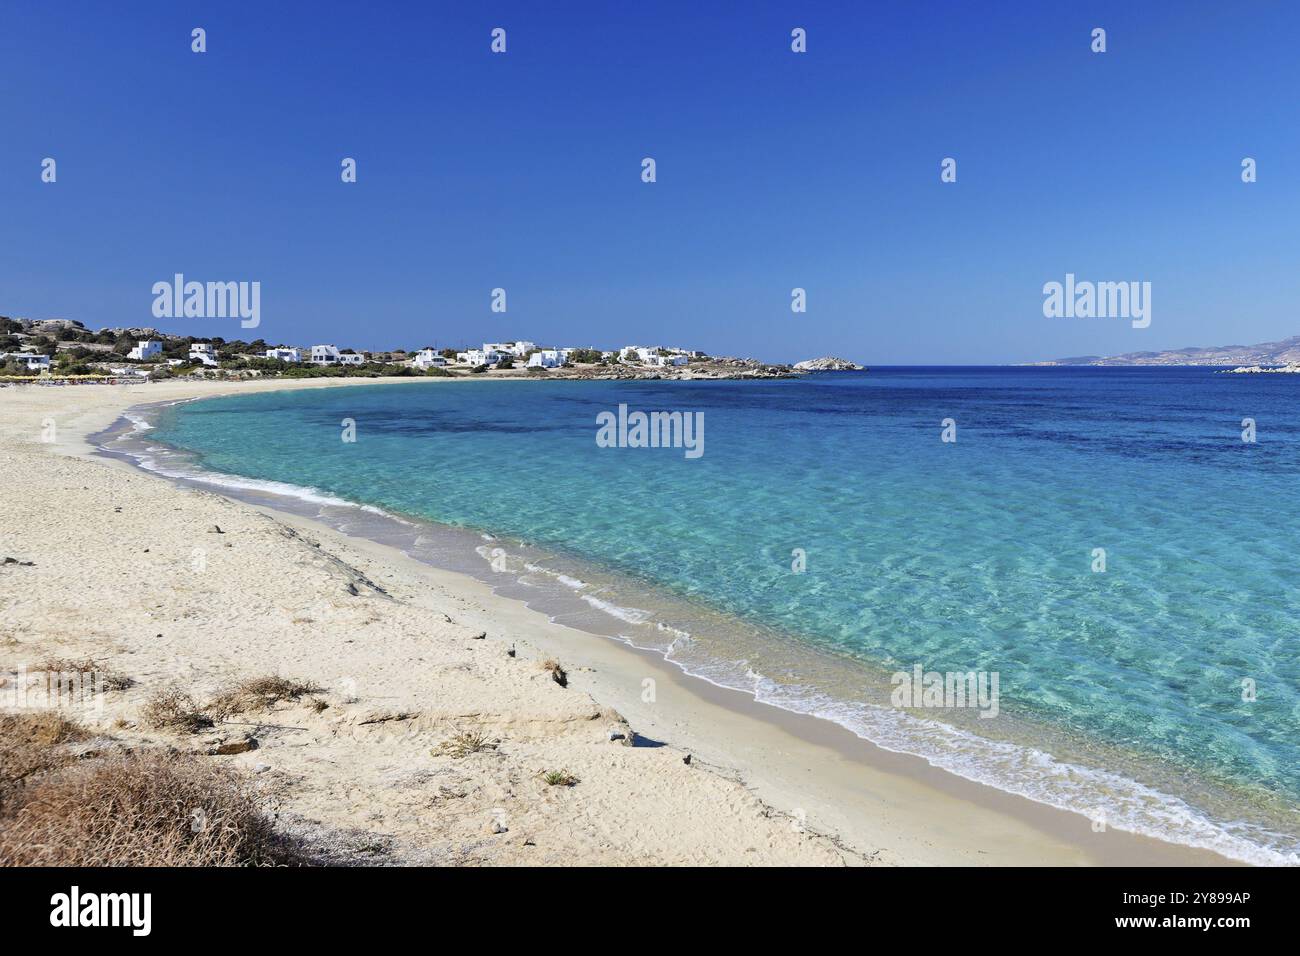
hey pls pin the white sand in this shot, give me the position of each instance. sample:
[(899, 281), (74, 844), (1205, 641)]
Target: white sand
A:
[(402, 671)]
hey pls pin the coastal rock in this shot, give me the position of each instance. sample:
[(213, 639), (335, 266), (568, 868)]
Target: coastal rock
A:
[(496, 826), (1261, 370), (828, 363), (234, 747)]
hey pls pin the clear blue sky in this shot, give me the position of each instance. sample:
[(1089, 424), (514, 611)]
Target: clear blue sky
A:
[(775, 170)]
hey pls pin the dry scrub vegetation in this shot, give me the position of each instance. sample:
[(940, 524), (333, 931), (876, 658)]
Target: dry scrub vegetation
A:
[(64, 805), (174, 710), (108, 678), (258, 693), (153, 808), (148, 809)]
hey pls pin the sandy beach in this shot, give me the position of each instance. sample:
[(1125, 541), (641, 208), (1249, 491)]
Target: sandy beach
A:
[(126, 569)]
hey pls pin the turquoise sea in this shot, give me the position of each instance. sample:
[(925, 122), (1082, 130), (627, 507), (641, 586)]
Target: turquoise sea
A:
[(1125, 693)]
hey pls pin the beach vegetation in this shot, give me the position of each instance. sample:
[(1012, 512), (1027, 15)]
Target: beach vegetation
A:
[(558, 673), (105, 677), (559, 778), (173, 709), (31, 743), (144, 809), (464, 743), (258, 693)]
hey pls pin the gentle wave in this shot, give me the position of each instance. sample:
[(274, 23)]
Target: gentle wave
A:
[(164, 462), (1011, 768)]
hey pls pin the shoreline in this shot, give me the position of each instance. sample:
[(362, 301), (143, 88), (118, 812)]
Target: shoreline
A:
[(889, 807)]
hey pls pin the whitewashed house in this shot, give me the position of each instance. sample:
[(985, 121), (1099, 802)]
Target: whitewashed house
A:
[(285, 355), (477, 357), (325, 355), (428, 358), (146, 350), (33, 362), (205, 353), (643, 354), (548, 358), (517, 349), (352, 358)]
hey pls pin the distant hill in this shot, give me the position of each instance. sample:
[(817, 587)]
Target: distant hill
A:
[(1285, 352)]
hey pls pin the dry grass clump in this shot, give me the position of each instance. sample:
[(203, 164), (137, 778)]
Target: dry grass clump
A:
[(108, 678), (258, 693), (560, 778), (151, 809), (31, 743), (464, 743), (558, 673), (174, 710)]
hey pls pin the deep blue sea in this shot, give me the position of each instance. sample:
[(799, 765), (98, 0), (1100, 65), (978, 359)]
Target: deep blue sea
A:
[(1161, 694)]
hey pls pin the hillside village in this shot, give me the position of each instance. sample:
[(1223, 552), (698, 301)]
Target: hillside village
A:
[(66, 350)]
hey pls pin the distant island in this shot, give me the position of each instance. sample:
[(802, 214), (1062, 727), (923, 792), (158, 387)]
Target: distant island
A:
[(1282, 353)]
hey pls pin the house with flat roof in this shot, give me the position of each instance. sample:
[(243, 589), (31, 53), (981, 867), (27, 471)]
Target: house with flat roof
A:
[(31, 360), (146, 350)]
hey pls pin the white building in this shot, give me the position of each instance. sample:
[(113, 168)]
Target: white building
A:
[(477, 357), (517, 349), (35, 363), (352, 358), (285, 355), (325, 355), (548, 358), (204, 353), (428, 358), (638, 353), (147, 349), (649, 355)]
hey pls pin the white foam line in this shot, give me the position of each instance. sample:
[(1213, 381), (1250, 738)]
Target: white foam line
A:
[(1011, 768)]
